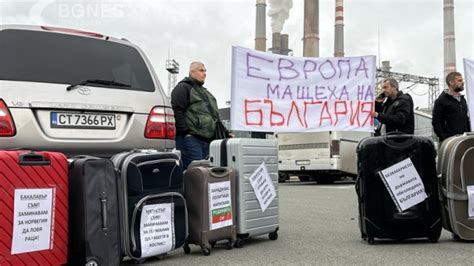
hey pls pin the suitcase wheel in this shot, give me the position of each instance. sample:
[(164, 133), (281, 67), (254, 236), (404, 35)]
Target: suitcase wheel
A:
[(230, 244), (206, 251), (434, 238), (456, 237), (273, 235), (213, 244), (186, 249), (239, 243), (140, 261), (92, 262), (371, 240)]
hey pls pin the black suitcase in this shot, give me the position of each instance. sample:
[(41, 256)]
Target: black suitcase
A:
[(378, 215), (94, 231), (147, 180)]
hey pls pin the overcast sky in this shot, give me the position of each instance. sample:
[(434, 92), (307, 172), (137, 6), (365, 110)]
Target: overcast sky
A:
[(411, 31)]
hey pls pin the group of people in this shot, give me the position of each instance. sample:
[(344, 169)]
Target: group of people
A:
[(196, 112), (394, 109)]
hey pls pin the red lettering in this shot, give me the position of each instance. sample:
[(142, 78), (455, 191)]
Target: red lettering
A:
[(306, 109), (354, 114), (337, 112), (294, 106), (272, 113), (247, 111), (327, 116), (368, 112)]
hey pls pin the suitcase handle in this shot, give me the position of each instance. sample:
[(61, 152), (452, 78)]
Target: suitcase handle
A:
[(219, 172), (392, 140), (103, 211), (33, 158)]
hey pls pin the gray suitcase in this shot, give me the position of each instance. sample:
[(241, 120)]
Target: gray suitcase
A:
[(245, 155), (198, 181), (455, 172)]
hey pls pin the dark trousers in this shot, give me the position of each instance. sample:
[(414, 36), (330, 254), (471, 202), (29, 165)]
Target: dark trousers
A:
[(191, 149)]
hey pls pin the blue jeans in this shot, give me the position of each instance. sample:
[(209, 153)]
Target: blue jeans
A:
[(191, 149)]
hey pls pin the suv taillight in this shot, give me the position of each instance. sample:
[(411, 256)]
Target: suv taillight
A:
[(7, 128), (160, 124)]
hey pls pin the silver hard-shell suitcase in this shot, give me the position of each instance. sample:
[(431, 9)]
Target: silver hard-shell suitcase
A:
[(245, 155)]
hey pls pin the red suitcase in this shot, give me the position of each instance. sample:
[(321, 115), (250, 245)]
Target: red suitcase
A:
[(34, 208)]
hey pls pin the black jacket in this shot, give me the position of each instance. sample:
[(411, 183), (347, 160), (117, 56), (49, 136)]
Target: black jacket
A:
[(195, 110), (180, 102), (397, 114), (450, 116)]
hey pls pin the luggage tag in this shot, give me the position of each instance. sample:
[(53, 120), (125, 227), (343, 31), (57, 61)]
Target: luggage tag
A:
[(470, 196)]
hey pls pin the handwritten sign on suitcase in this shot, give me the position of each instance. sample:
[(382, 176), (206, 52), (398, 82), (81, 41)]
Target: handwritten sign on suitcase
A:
[(404, 184), (32, 220), (263, 186), (220, 205), (157, 229)]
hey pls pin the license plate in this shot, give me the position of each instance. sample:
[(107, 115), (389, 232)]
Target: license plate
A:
[(79, 120)]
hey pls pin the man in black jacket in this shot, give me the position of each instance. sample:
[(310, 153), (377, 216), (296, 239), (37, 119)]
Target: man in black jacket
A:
[(196, 112), (396, 113), (450, 113)]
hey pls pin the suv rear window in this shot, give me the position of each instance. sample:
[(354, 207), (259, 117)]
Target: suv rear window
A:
[(67, 59)]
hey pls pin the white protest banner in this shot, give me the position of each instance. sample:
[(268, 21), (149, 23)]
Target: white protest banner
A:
[(280, 93), (32, 220), (469, 84), (220, 205), (404, 184), (262, 186), (470, 196), (157, 229)]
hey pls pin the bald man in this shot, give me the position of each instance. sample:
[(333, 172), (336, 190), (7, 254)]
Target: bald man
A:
[(196, 112)]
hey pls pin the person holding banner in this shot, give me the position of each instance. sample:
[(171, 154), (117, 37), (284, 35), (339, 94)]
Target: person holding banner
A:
[(450, 112), (196, 113), (395, 114)]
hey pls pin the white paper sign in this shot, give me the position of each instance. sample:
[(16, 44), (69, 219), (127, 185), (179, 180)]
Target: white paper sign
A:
[(263, 187), (220, 205), (470, 195), (157, 229), (32, 220), (280, 93), (469, 78), (404, 184)]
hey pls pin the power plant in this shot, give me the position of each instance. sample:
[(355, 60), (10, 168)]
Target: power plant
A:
[(279, 41), (449, 37)]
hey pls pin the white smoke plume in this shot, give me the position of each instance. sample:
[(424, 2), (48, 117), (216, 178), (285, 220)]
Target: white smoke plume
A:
[(279, 12)]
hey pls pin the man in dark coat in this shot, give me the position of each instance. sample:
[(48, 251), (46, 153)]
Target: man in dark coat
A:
[(395, 114), (450, 112), (196, 113)]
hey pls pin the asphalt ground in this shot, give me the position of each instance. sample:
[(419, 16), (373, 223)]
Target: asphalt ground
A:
[(319, 226)]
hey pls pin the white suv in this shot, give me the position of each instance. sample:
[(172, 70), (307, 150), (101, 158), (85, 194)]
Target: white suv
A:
[(79, 93)]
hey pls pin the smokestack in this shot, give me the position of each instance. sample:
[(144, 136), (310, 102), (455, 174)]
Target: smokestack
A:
[(276, 43), (311, 28), (339, 30), (284, 44), (386, 66), (449, 45), (260, 26)]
